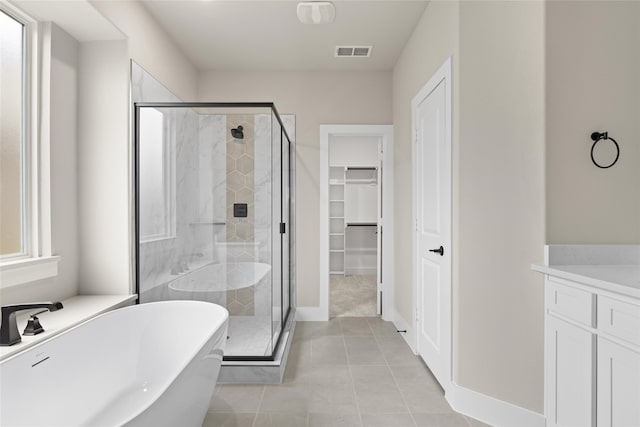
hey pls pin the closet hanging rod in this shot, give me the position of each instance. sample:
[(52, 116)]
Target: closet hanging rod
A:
[(208, 223), (362, 168), (361, 224)]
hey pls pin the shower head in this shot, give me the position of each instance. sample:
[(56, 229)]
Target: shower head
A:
[(237, 133)]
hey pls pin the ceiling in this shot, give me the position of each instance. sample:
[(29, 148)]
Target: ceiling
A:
[(266, 35)]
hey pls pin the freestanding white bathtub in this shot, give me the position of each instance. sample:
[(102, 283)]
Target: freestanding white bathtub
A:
[(152, 364)]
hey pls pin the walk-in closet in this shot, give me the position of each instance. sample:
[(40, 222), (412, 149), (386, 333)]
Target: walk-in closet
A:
[(355, 232)]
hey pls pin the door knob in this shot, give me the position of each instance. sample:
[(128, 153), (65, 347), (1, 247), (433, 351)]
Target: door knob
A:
[(440, 251)]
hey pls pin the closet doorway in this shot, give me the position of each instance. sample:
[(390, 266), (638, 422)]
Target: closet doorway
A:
[(357, 212)]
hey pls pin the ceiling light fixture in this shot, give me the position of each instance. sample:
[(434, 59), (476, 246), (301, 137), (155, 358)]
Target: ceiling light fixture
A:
[(316, 12)]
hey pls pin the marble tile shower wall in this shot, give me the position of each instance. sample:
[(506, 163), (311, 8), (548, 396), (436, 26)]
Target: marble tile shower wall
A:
[(191, 244), (189, 247), (213, 179), (203, 149)]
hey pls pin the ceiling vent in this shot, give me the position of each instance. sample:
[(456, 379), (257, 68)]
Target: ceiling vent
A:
[(353, 51)]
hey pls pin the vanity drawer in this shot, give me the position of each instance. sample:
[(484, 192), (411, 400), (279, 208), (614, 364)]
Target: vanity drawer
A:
[(619, 319), (572, 303)]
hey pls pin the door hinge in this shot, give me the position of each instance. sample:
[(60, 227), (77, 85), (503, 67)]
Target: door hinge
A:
[(417, 317), (283, 228)]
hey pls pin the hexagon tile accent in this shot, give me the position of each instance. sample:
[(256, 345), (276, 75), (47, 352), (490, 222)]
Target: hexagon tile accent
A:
[(240, 189)]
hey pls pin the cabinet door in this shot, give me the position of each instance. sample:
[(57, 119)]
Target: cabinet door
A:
[(618, 385), (570, 371)]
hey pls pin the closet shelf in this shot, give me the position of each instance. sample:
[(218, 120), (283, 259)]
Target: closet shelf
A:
[(362, 181), (336, 234)]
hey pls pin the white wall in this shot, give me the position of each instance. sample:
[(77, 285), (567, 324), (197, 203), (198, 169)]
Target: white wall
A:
[(499, 304), (498, 180), (63, 154), (61, 75), (104, 154), (90, 178), (315, 98), (353, 150), (593, 84), (151, 47), (103, 167)]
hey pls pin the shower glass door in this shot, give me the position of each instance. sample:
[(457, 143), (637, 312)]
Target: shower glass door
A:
[(212, 212)]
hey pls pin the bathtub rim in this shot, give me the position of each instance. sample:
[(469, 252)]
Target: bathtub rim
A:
[(78, 309), (107, 313)]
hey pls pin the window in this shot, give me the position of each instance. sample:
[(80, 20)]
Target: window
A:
[(25, 249), (13, 241), (157, 203)]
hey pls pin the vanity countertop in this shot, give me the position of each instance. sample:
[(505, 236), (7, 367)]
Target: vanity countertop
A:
[(76, 310), (620, 279)]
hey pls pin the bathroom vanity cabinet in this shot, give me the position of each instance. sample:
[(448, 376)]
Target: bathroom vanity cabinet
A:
[(592, 345)]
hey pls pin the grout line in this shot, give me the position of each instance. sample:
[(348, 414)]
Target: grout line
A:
[(395, 380), (255, 418), (353, 383)]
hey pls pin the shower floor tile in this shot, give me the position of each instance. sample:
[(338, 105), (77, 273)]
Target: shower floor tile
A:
[(249, 336)]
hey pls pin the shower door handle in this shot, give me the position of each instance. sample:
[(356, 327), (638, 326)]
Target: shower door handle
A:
[(440, 251)]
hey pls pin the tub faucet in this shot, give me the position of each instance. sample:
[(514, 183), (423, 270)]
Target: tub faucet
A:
[(9, 334)]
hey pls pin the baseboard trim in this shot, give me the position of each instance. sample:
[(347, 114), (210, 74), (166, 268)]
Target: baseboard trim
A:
[(311, 314), (409, 336), (487, 409), (490, 410)]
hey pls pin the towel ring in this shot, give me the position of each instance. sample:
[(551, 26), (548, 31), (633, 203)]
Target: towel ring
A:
[(597, 137)]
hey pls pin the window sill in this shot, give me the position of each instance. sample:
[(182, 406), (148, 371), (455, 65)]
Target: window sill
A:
[(13, 273)]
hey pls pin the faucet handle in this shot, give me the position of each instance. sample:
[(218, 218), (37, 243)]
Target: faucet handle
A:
[(33, 324), (9, 334)]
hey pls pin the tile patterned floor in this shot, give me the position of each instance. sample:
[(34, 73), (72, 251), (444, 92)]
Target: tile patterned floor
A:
[(350, 371), (352, 295)]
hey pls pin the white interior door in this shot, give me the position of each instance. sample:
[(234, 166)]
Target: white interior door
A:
[(432, 179)]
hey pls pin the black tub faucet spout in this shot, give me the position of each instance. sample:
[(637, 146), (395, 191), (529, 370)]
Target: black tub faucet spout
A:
[(9, 334)]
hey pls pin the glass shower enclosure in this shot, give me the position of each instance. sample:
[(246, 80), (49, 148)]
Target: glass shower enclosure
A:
[(212, 214)]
